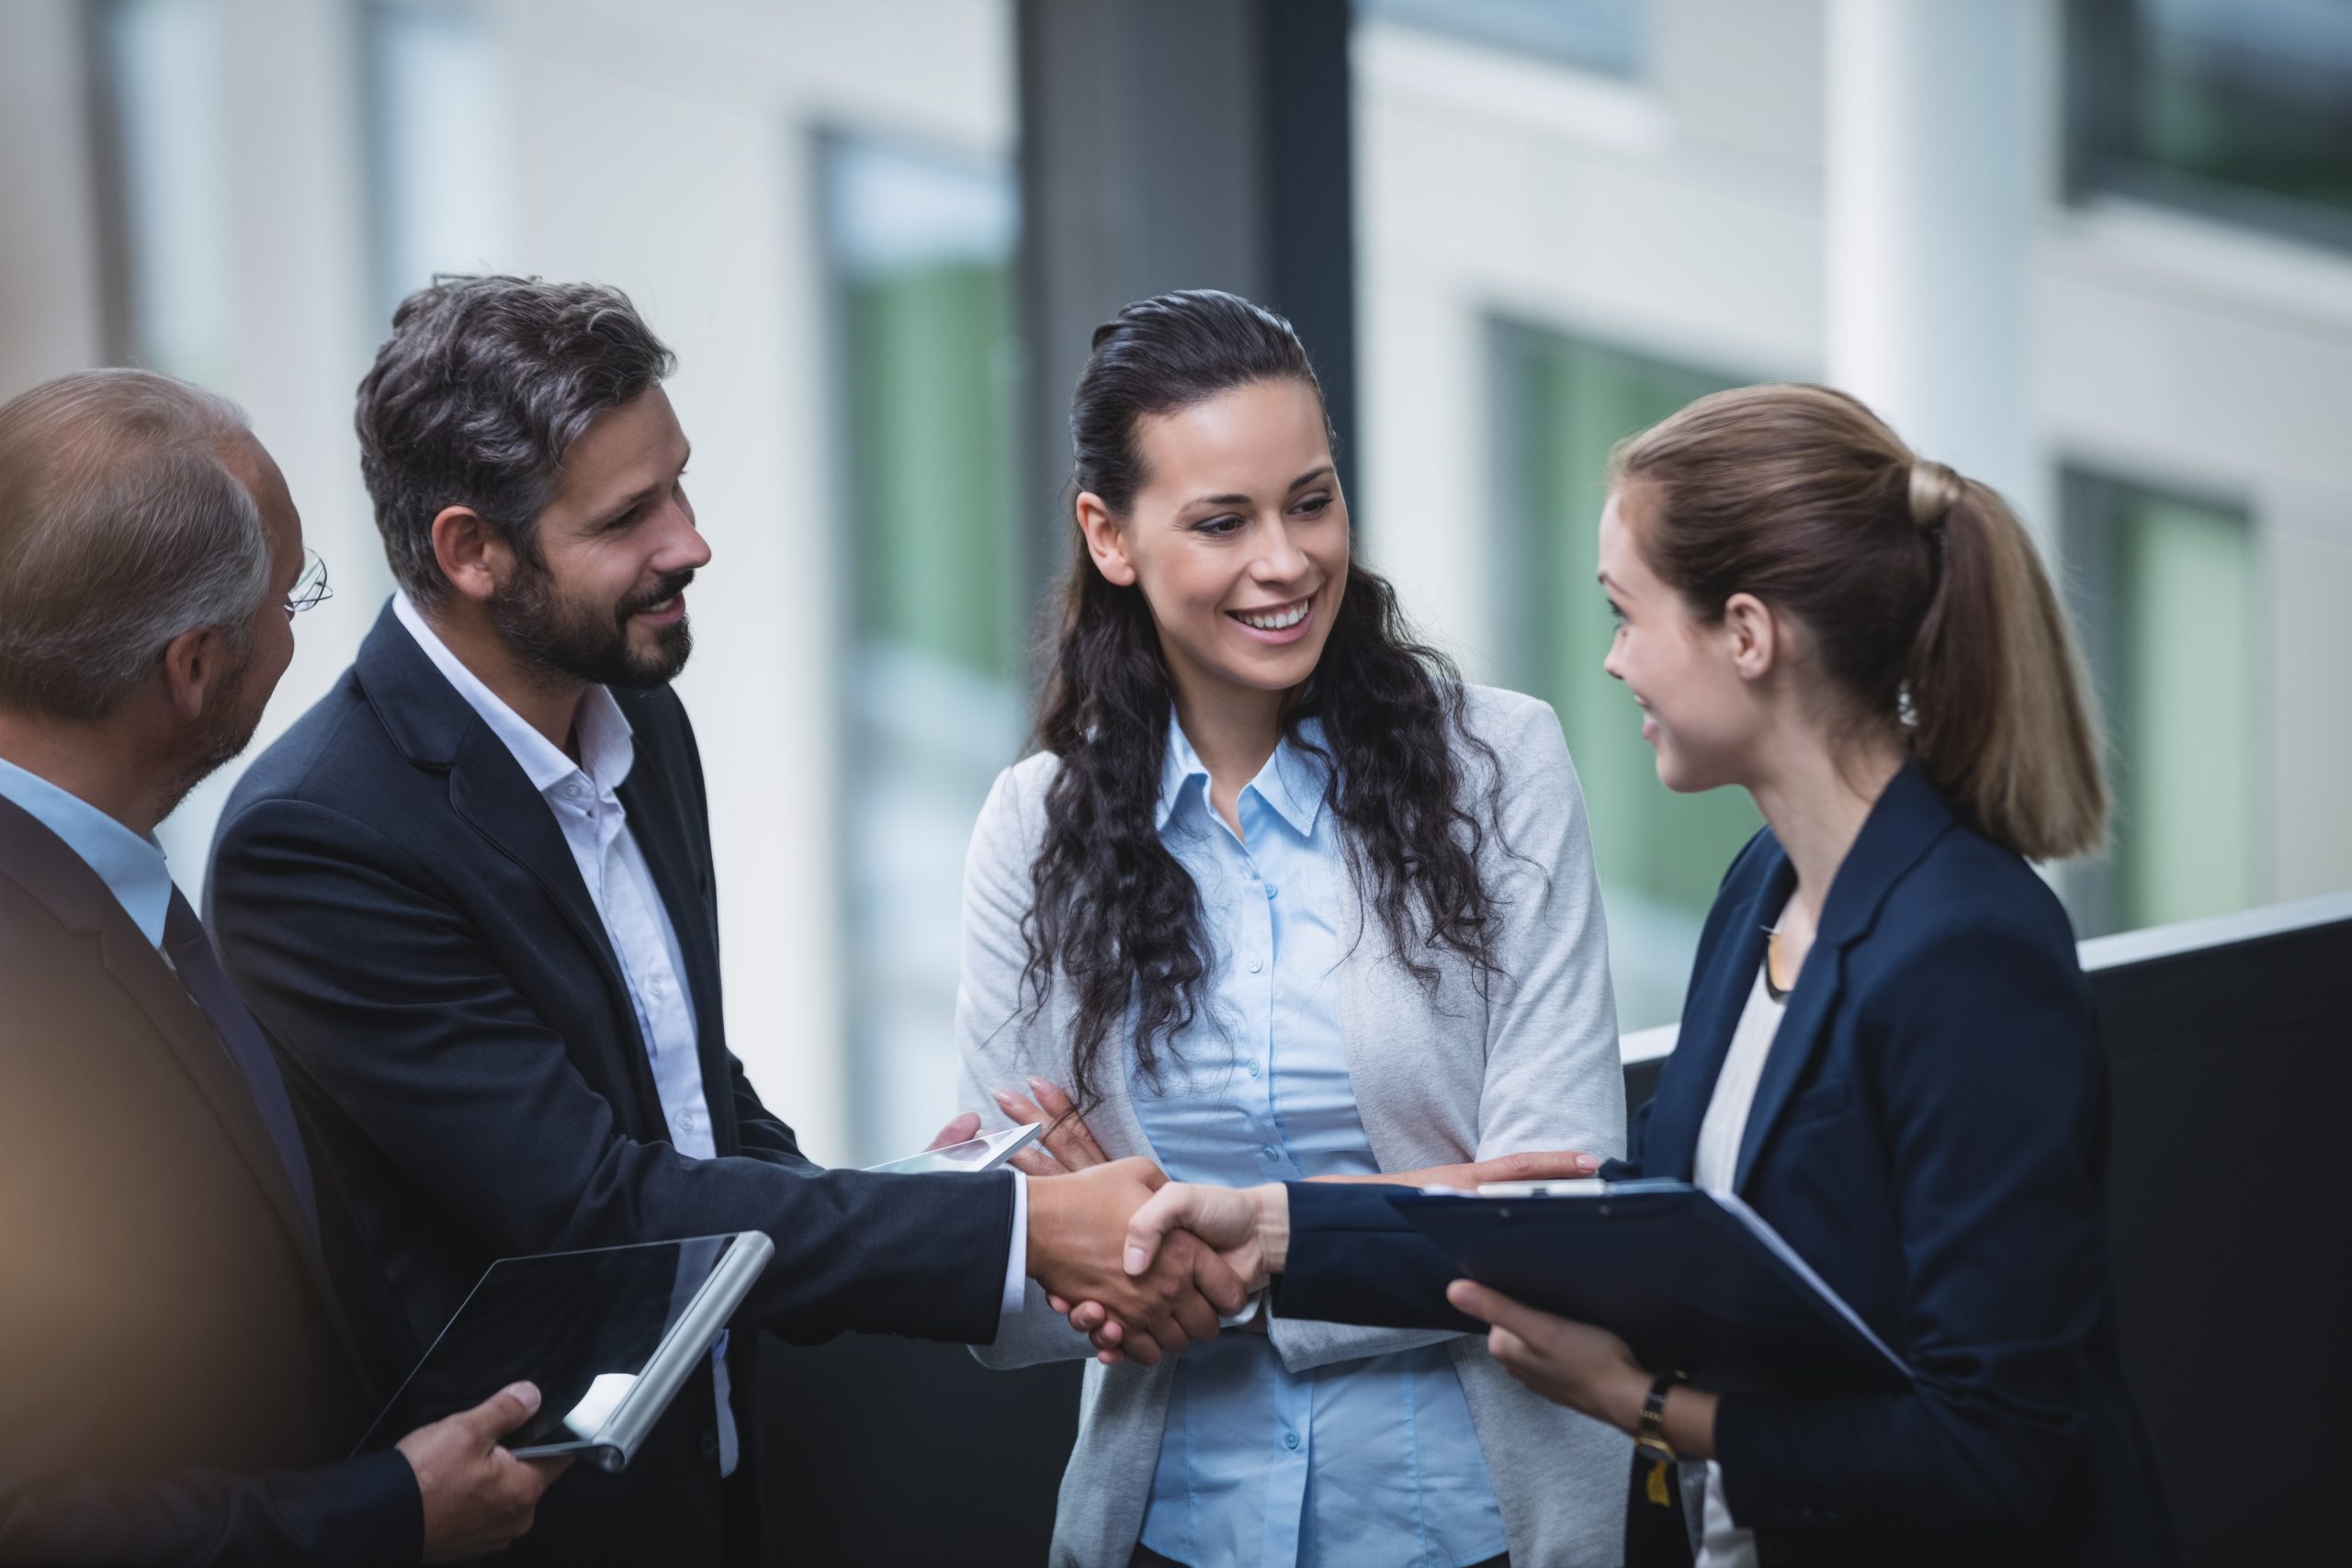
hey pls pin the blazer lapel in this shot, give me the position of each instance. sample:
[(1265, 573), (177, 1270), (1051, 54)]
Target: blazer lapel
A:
[(1671, 1146), (434, 728), (42, 863), (1908, 817), (656, 820), (489, 790)]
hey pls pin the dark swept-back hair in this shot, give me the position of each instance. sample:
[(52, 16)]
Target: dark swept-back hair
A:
[(1112, 912), (483, 386)]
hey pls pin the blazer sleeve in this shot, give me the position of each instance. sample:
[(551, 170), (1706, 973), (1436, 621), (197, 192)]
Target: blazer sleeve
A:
[(387, 997), (1992, 1089), (1353, 1260), (1553, 1079), (987, 1028), (362, 1513)]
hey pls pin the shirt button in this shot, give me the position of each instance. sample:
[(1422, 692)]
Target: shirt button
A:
[(1269, 889), (1257, 966), (1254, 1069), (1290, 1440), (1268, 1153)]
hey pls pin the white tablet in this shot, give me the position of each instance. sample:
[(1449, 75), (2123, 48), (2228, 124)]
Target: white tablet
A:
[(973, 1153)]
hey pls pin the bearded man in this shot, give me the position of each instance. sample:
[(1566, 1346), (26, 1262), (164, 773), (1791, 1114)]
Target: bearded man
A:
[(471, 893)]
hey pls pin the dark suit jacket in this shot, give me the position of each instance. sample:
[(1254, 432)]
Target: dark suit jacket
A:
[(178, 1382), (400, 907), (1929, 1135)]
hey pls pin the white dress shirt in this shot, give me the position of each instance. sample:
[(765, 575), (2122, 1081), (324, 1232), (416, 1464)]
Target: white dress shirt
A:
[(1724, 1544), (585, 799)]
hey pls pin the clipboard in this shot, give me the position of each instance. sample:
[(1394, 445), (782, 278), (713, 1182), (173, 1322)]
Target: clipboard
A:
[(1691, 1279)]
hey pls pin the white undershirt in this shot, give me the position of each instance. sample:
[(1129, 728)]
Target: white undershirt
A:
[(1721, 1543)]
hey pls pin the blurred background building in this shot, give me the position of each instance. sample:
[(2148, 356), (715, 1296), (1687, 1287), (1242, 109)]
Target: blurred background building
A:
[(2097, 252)]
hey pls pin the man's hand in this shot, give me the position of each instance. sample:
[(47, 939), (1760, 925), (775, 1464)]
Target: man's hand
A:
[(478, 1497), (1077, 1239), (1249, 1230), (1537, 1165)]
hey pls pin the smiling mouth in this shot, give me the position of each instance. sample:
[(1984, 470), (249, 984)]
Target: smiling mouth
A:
[(1279, 618)]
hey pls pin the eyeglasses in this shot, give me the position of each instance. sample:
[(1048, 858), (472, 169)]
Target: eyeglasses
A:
[(310, 588)]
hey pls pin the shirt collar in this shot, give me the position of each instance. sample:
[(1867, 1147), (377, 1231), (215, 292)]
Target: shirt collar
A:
[(606, 751), (1293, 782), (131, 868)]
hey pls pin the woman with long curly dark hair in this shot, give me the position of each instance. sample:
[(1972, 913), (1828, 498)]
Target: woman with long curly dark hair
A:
[(1281, 896)]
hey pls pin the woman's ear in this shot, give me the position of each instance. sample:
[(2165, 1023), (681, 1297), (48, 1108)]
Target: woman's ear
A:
[(1103, 541), (1754, 635)]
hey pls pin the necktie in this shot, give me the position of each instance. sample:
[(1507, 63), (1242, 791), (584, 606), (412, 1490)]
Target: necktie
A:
[(191, 953)]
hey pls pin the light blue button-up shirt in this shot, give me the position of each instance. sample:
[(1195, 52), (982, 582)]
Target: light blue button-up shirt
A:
[(1370, 1463), (131, 865)]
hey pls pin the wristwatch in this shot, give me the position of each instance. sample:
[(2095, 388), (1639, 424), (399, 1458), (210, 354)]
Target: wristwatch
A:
[(1649, 1437)]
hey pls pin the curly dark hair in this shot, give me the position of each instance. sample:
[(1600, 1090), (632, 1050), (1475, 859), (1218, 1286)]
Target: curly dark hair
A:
[(484, 384), (1113, 911)]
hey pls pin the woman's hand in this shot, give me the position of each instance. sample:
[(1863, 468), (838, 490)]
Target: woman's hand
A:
[(1249, 1229), (1067, 1144), (1589, 1369), (1539, 1165)]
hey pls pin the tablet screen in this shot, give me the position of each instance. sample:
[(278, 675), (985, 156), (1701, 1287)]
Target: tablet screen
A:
[(579, 1325), (973, 1153)]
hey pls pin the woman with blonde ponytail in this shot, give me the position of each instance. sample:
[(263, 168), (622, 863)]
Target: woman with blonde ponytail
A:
[(1888, 1049)]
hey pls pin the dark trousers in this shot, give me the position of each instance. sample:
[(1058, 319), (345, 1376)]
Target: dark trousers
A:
[(1145, 1557)]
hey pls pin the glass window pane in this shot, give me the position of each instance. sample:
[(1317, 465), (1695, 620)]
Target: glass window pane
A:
[(2168, 602), (1607, 36), (921, 249), (160, 65), (1662, 855), (2240, 105), (436, 146)]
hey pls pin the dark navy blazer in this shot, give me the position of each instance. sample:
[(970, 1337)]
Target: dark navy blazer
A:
[(1930, 1134), (399, 905)]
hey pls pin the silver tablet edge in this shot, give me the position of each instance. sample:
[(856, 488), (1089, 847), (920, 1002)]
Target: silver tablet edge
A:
[(616, 1441)]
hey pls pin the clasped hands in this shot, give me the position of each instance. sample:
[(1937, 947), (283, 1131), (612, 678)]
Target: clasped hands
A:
[(1187, 1255)]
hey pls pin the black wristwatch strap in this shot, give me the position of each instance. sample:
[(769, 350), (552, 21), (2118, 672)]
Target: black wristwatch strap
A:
[(1649, 1437)]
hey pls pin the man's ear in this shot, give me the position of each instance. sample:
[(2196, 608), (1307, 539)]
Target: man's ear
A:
[(197, 667), (1103, 540), (1755, 634), (472, 555)]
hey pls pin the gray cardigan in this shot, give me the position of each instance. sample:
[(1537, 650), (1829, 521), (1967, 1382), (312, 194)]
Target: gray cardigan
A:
[(1439, 1079)]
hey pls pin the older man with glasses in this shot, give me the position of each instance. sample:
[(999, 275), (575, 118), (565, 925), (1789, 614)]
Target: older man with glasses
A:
[(190, 1339)]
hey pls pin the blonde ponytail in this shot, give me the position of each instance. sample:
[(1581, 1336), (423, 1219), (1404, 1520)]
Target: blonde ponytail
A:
[(1922, 592), (2002, 717)]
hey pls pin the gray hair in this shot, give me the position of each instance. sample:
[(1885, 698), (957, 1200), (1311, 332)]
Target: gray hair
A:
[(121, 527), (474, 399)]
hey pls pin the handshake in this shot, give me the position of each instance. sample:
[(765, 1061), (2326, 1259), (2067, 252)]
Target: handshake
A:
[(1147, 1268)]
